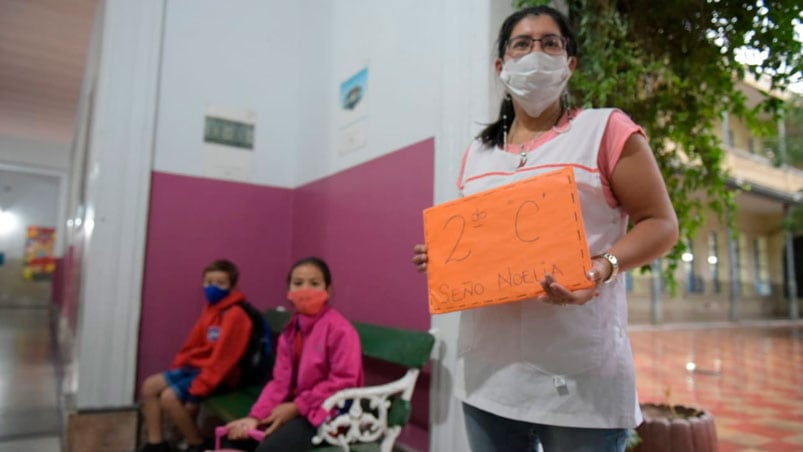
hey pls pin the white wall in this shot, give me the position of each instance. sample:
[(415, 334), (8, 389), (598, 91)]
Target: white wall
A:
[(48, 159), (317, 93), (242, 55), (285, 61), (399, 44), (51, 155), (115, 201), (33, 200)]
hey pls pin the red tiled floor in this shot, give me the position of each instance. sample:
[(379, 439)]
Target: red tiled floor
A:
[(748, 376)]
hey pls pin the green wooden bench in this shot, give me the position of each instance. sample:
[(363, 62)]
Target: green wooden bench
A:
[(377, 413)]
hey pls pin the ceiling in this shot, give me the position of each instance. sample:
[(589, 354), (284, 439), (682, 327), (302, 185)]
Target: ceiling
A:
[(43, 46)]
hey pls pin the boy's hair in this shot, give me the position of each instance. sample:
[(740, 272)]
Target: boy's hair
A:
[(225, 266)]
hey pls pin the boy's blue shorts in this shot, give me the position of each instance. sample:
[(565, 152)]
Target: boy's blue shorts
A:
[(179, 380)]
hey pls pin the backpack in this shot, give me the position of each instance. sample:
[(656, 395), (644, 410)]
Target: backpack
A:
[(257, 361)]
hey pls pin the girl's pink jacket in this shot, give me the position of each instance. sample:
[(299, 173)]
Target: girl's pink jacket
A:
[(331, 360)]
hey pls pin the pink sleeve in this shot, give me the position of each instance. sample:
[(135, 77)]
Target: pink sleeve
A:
[(619, 128), (278, 388), (345, 371)]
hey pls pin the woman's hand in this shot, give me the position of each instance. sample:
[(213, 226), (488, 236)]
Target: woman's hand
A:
[(279, 416), (239, 429), (555, 293), (420, 257)]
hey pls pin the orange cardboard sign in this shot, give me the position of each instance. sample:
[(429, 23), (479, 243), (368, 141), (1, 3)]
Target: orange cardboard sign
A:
[(495, 246)]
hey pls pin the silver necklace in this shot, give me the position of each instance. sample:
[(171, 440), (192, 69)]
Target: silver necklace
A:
[(554, 128)]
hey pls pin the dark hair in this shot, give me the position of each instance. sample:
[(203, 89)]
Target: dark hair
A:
[(314, 261), (225, 266), (493, 134)]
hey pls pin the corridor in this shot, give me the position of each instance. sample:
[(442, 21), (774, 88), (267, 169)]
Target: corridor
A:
[(30, 418)]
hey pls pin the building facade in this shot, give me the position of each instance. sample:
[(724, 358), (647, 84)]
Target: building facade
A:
[(739, 265)]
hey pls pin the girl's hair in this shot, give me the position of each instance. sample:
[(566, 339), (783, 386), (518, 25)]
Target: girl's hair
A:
[(314, 261), (225, 266), (493, 134)]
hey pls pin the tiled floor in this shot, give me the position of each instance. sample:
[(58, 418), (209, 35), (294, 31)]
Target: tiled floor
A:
[(29, 413), (749, 376)]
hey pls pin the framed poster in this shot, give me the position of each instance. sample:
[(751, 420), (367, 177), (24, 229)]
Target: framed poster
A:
[(38, 260), (353, 113), (229, 136)]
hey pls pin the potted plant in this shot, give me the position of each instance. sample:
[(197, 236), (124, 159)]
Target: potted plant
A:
[(668, 427)]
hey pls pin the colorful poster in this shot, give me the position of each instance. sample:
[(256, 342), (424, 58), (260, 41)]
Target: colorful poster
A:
[(495, 246), (38, 260)]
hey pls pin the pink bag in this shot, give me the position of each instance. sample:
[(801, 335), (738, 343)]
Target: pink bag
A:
[(221, 432)]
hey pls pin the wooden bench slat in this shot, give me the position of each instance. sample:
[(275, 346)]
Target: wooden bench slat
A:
[(231, 405), (403, 347)]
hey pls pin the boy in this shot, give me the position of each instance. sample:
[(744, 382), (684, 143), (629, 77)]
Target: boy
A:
[(208, 359)]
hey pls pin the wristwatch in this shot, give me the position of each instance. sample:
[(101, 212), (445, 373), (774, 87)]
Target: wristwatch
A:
[(614, 266)]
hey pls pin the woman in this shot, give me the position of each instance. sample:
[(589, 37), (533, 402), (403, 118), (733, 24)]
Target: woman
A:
[(558, 369)]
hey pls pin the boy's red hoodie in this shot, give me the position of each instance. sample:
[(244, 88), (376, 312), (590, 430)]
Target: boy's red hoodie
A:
[(215, 345)]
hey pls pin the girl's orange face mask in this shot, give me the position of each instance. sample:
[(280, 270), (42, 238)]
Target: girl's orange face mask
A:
[(308, 301)]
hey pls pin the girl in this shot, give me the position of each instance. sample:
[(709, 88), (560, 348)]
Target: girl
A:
[(318, 354)]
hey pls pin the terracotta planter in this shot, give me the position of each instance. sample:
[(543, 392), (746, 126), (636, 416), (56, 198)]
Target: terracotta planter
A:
[(678, 428)]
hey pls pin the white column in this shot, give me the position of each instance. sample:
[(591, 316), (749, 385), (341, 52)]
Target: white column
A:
[(469, 99), (782, 140), (656, 285), (735, 286), (791, 271), (116, 183)]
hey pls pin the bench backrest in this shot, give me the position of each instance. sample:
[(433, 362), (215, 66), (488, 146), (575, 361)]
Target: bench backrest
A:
[(410, 349)]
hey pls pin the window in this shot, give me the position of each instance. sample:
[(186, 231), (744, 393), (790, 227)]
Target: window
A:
[(762, 284), (737, 265), (713, 261), (694, 284)]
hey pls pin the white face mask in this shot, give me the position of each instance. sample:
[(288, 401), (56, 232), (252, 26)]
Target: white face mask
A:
[(536, 80)]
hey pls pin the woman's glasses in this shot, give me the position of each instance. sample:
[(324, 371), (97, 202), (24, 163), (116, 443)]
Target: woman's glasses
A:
[(522, 45)]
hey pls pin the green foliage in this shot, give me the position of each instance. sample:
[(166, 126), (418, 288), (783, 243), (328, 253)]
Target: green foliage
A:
[(633, 439), (672, 67)]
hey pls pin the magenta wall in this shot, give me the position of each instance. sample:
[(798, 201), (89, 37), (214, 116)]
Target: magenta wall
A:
[(363, 221), (193, 221)]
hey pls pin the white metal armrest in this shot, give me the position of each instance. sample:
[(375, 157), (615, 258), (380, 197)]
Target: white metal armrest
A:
[(367, 419)]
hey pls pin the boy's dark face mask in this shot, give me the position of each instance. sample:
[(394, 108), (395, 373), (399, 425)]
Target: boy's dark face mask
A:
[(214, 293)]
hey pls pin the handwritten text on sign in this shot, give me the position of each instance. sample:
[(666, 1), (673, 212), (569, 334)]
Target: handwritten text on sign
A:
[(495, 246)]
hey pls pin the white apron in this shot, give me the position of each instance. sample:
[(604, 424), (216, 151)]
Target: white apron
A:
[(549, 364)]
